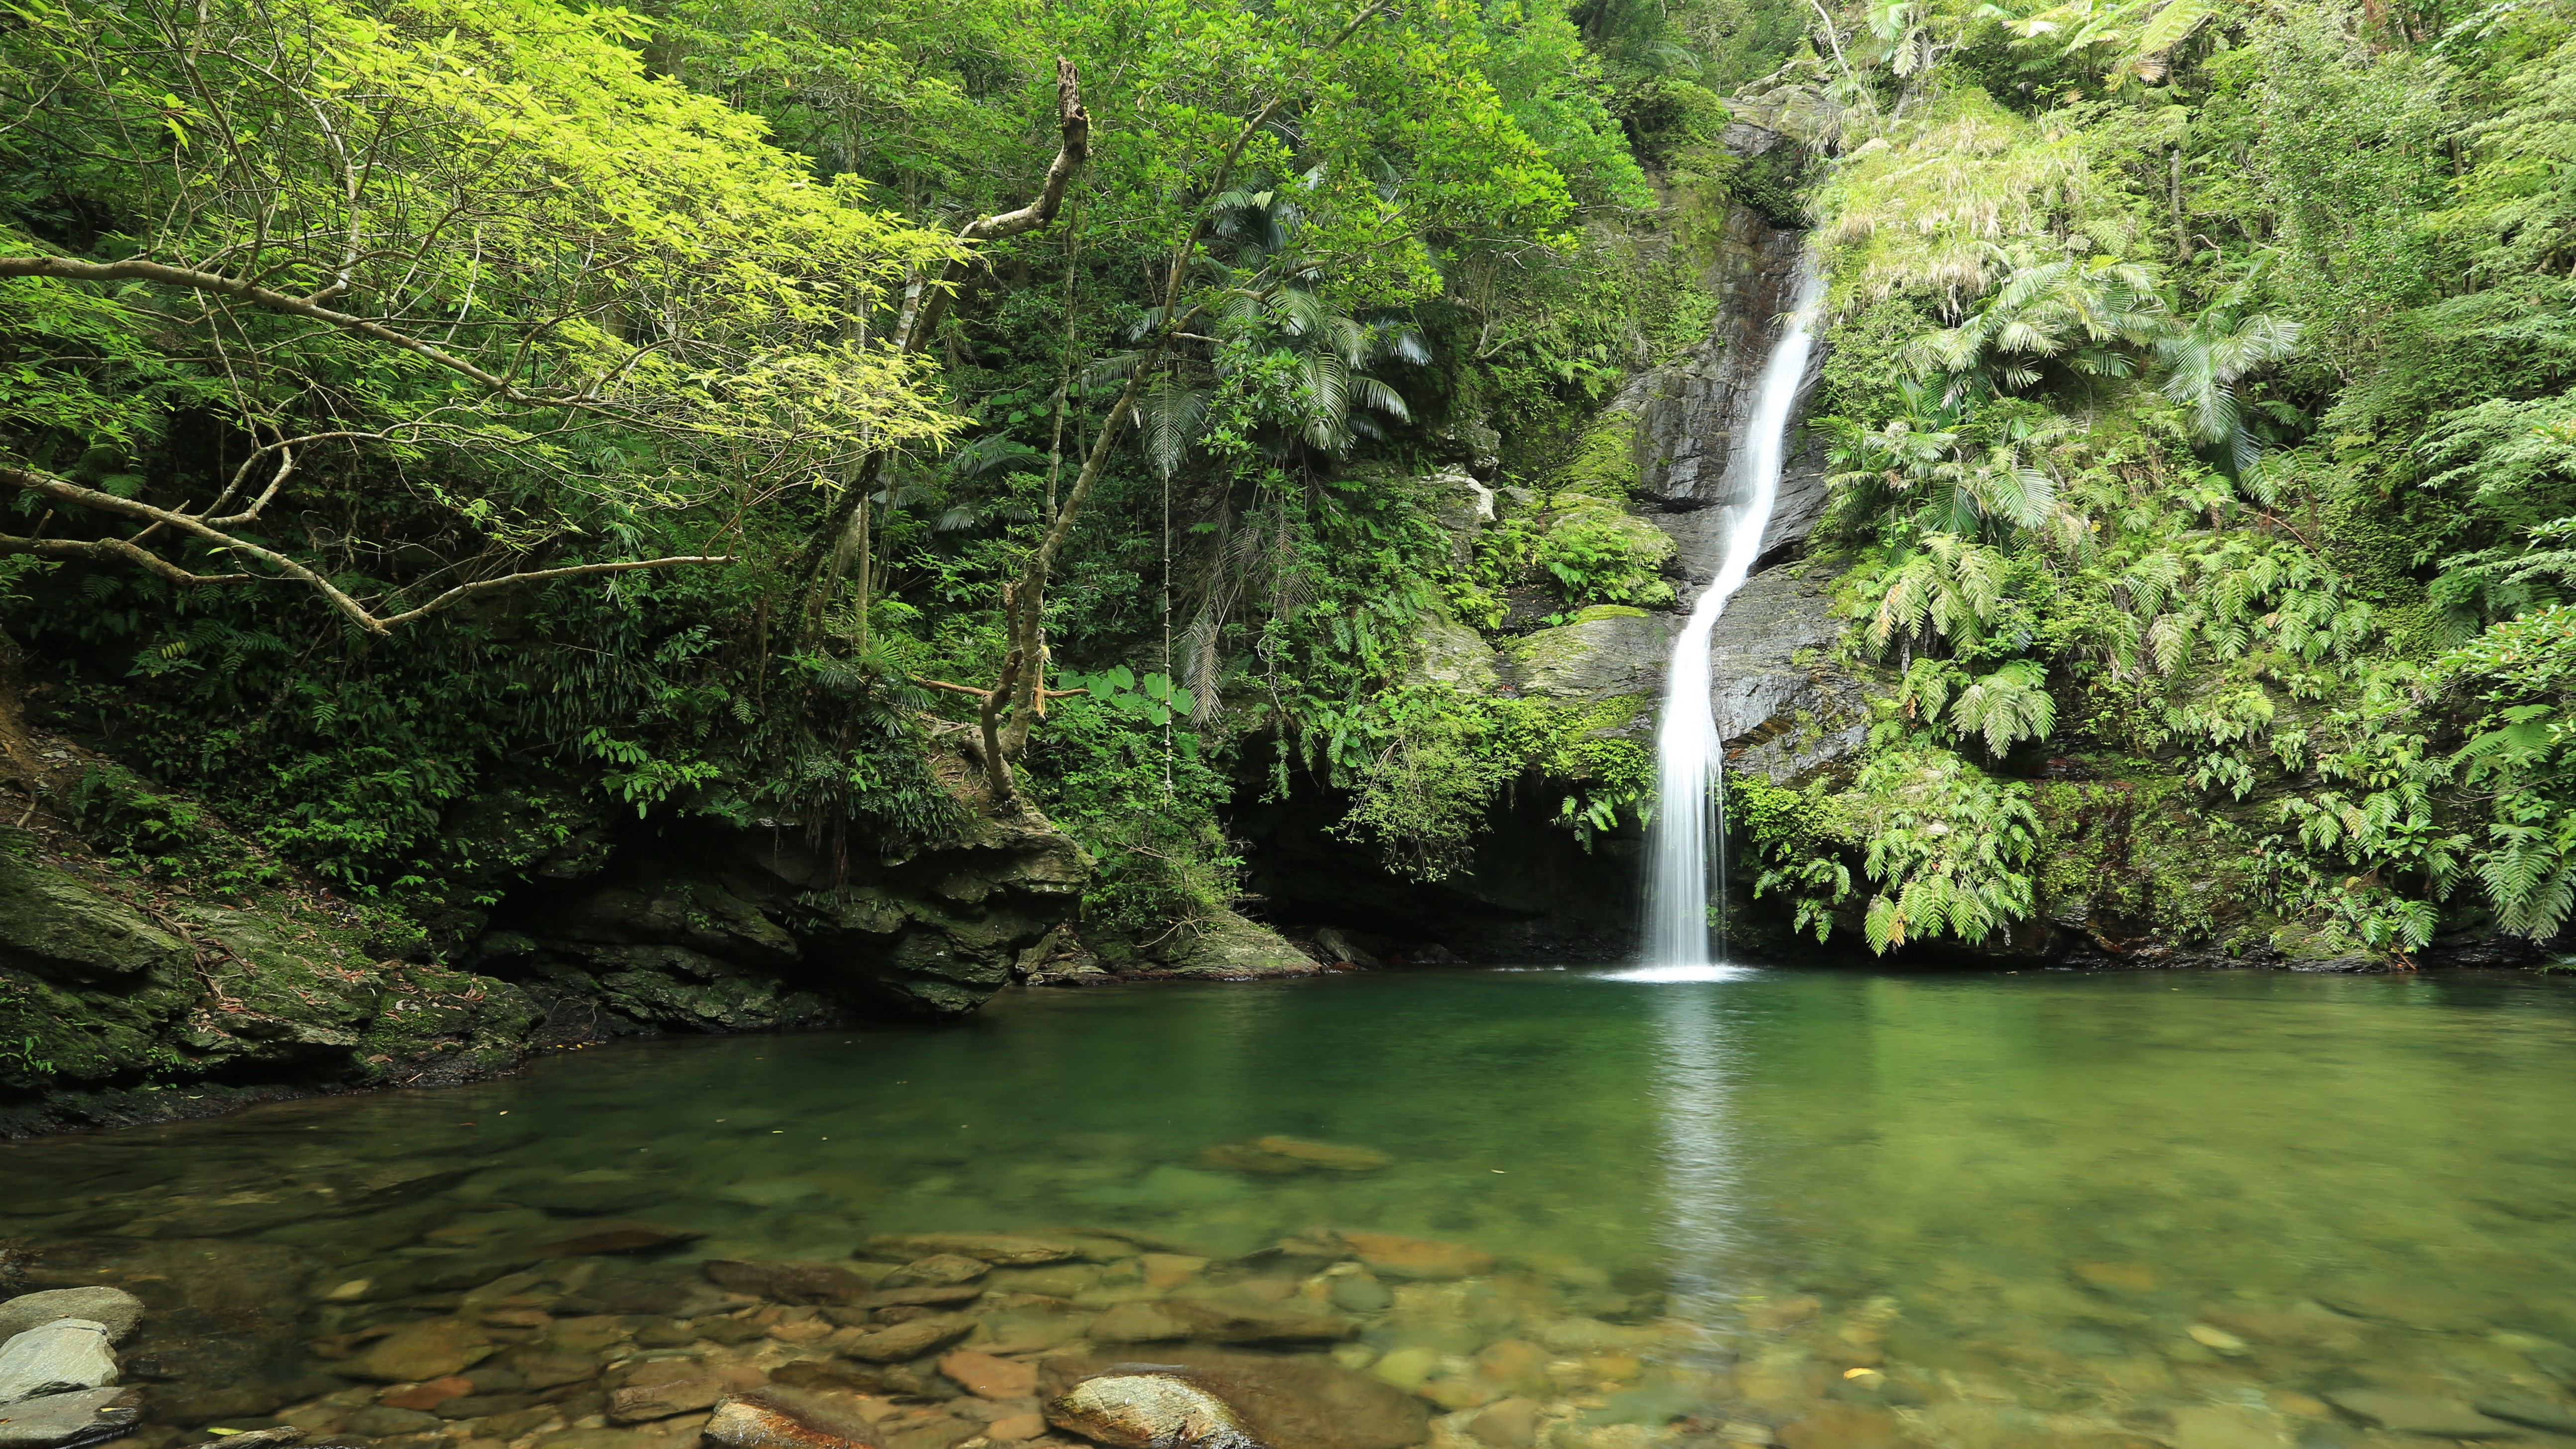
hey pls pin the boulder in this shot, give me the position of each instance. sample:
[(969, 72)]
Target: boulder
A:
[(1150, 1410), (1608, 650), (67, 1421), (1448, 652), (1464, 508), (1228, 947), (116, 1309), (55, 927), (64, 1356), (1341, 945)]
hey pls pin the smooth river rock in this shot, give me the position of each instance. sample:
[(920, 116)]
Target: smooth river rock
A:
[(766, 1423), (1278, 1402), (66, 1421), (418, 1352), (64, 1356), (117, 1309)]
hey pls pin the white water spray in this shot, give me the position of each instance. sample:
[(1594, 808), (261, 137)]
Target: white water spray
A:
[(1689, 779)]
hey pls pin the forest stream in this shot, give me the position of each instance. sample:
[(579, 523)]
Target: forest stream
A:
[(1501, 1209)]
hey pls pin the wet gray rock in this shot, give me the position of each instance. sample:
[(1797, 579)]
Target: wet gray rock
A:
[(67, 1421), (115, 1308), (695, 929), (1783, 711), (1464, 507), (55, 927), (66, 1355), (1691, 411)]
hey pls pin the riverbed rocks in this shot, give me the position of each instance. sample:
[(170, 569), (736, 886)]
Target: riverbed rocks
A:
[(59, 1369)]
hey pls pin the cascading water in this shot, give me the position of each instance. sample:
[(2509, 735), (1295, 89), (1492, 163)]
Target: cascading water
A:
[(1689, 824)]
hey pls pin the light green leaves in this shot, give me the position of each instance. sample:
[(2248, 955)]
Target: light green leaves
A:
[(1154, 700)]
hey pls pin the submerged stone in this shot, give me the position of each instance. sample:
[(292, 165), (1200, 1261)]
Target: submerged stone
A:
[(2419, 1414), (1280, 1156), (909, 1340), (768, 1421), (1279, 1402), (938, 1269), (419, 1352), (2522, 1409), (789, 1282), (989, 1376), (1399, 1256), (1003, 1250)]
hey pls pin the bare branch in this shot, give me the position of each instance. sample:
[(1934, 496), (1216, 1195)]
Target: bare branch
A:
[(119, 550), (110, 550), (464, 591)]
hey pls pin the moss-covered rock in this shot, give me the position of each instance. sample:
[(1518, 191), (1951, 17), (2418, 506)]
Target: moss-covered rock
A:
[(1605, 464), (1448, 652), (1232, 947), (1594, 658), (53, 926)]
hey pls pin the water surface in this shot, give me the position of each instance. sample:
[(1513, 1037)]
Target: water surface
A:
[(2050, 1204)]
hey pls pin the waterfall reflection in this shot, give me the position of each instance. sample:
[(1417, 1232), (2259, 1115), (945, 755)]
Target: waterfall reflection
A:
[(1702, 1182)]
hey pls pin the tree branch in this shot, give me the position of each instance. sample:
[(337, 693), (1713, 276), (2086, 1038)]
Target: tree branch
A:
[(72, 269), (464, 591), (925, 303), (121, 551), (111, 550)]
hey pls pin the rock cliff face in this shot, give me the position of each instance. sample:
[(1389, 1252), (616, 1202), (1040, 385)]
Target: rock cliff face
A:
[(124, 998)]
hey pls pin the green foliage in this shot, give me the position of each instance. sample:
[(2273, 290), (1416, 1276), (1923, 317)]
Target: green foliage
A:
[(1426, 766), (1946, 849), (1604, 556)]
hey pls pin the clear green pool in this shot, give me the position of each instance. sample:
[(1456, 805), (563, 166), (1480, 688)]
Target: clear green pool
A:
[(2207, 1209)]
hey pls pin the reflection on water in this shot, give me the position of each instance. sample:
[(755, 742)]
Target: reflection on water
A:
[(2206, 1211), (1700, 1187)]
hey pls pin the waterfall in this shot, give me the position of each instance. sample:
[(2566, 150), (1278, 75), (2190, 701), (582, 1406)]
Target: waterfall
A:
[(1690, 784)]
